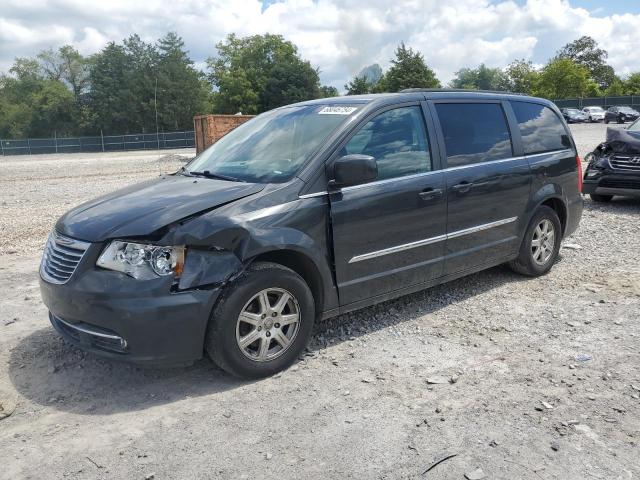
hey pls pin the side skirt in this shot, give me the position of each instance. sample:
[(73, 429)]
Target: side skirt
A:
[(411, 289)]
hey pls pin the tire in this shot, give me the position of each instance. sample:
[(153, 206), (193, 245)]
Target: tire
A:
[(600, 198), (606, 120), (245, 294), (620, 120), (526, 263)]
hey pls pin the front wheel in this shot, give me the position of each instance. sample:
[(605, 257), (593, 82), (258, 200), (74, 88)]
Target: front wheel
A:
[(540, 245), (262, 322)]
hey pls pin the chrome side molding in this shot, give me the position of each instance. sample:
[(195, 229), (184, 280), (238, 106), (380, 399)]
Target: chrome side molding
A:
[(428, 241)]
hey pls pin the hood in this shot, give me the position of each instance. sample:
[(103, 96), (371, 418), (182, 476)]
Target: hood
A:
[(623, 141), (146, 207)]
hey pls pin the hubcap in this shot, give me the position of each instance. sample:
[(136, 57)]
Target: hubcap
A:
[(267, 324), (543, 243)]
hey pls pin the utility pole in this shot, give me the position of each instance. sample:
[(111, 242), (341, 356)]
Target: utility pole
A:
[(155, 103)]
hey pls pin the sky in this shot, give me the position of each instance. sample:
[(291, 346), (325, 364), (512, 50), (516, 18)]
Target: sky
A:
[(340, 37)]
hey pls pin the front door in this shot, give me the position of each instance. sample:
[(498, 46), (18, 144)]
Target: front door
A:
[(390, 233), (487, 187)]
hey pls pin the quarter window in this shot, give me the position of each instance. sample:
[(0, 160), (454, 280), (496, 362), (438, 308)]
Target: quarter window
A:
[(397, 139), (540, 128), (474, 132)]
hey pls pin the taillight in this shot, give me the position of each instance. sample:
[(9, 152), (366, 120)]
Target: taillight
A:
[(579, 164)]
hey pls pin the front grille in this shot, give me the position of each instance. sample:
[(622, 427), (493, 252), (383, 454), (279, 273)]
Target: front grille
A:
[(629, 183), (61, 257), (90, 335), (625, 162)]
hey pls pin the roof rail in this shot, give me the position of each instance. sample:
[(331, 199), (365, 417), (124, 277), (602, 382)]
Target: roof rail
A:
[(462, 90)]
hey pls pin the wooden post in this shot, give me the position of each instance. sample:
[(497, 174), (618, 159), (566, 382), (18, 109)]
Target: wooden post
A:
[(102, 139)]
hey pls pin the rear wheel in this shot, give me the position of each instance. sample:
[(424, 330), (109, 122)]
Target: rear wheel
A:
[(262, 322), (540, 245), (600, 198)]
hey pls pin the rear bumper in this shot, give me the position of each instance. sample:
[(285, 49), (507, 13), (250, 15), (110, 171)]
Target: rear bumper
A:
[(121, 318)]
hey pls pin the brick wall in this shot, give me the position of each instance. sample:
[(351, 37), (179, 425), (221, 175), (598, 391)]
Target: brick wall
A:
[(210, 128)]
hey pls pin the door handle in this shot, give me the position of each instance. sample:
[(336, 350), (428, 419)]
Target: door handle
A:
[(430, 193), (462, 187)]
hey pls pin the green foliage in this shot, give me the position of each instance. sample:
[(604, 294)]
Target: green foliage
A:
[(616, 89), (563, 78), (372, 73), (327, 91), (585, 52), (358, 86), (268, 69), (480, 78), (632, 84), (408, 70), (521, 77)]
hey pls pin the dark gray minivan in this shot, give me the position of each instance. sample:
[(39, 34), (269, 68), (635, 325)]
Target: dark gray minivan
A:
[(309, 211)]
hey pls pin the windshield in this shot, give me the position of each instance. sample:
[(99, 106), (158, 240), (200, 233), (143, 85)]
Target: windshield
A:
[(573, 111), (272, 147), (635, 126), (627, 110), (595, 109)]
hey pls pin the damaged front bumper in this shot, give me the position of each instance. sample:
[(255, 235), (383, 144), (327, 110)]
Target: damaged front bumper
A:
[(119, 317)]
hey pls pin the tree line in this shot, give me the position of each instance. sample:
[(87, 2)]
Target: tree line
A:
[(136, 87), (579, 69)]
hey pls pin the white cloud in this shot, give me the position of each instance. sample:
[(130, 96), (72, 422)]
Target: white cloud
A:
[(338, 36)]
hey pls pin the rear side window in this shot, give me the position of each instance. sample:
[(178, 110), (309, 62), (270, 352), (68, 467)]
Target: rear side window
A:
[(541, 129), (397, 139), (474, 132)]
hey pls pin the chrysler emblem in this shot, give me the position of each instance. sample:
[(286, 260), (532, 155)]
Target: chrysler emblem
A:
[(635, 160)]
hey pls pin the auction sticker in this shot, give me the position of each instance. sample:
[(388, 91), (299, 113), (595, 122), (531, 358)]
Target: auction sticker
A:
[(337, 110)]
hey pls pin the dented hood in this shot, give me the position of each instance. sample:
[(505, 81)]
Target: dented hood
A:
[(623, 141), (146, 207)]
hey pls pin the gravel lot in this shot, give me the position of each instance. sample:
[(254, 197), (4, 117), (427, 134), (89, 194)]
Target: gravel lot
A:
[(520, 378)]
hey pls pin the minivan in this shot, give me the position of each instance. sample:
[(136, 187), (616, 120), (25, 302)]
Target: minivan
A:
[(309, 211)]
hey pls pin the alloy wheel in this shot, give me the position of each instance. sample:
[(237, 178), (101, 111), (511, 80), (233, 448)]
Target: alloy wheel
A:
[(268, 324), (543, 243)]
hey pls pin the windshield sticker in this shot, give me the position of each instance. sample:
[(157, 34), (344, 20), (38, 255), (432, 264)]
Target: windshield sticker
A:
[(337, 110)]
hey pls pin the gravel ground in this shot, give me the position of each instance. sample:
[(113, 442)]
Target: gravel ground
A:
[(519, 378)]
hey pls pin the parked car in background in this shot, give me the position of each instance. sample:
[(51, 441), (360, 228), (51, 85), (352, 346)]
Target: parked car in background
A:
[(614, 166), (594, 114), (310, 211), (621, 114), (573, 115)]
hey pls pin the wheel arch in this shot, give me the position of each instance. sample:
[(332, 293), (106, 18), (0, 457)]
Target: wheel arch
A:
[(304, 266)]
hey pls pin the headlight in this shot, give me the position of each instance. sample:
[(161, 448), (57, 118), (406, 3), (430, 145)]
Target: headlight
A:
[(142, 261)]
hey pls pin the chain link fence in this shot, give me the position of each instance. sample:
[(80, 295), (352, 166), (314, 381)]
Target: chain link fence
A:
[(102, 143), (604, 102)]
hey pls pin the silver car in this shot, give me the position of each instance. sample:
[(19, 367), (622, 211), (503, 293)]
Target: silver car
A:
[(594, 114)]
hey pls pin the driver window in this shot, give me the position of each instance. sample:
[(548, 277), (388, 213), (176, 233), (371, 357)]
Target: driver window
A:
[(397, 139)]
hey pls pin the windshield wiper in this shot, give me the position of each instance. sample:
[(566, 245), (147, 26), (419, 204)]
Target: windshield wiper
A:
[(208, 174)]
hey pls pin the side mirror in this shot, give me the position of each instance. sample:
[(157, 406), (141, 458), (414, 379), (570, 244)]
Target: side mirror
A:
[(353, 170)]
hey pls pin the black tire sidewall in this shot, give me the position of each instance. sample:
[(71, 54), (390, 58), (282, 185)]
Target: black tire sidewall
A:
[(525, 257), (221, 338)]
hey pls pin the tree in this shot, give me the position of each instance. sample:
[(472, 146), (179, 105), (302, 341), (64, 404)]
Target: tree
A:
[(358, 86), (562, 78), (109, 74), (65, 65), (632, 84), (408, 70), (480, 78), (327, 91), (181, 91), (585, 52), (271, 72), (520, 77), (616, 89), (372, 73)]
